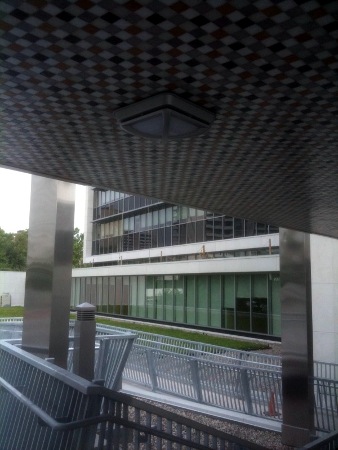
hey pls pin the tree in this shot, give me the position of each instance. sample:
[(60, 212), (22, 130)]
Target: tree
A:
[(13, 250), (78, 248)]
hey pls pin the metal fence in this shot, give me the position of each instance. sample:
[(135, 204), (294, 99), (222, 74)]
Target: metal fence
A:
[(245, 382), (46, 407)]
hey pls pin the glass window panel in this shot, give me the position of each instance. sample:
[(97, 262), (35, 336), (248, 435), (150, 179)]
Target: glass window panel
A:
[(168, 293), (162, 217), (126, 225), (168, 216), (125, 296), (200, 231), (137, 223), (118, 293), (141, 296), (175, 234), (228, 318), (192, 213), (175, 298), (149, 220), (259, 303), (218, 227), (136, 241), (238, 228), (183, 234), (167, 236), (243, 302), (275, 304), (143, 224), (191, 232), (120, 227), (262, 228), (250, 228), (154, 238), (215, 301), (105, 294), (155, 219), (158, 297), (273, 229), (133, 296), (209, 229), (161, 237), (191, 310), (228, 227), (176, 214), (93, 291), (99, 294), (131, 224), (150, 298), (184, 213), (202, 300)]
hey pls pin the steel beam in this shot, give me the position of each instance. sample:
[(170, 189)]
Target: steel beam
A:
[(297, 341), (49, 269)]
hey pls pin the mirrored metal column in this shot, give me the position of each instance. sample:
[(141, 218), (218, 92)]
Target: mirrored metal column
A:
[(297, 345), (49, 269)]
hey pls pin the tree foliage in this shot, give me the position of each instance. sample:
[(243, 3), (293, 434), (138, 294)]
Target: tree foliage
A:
[(13, 250), (78, 248)]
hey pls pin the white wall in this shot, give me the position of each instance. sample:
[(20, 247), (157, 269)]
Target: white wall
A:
[(243, 243), (324, 276), (245, 264), (14, 284)]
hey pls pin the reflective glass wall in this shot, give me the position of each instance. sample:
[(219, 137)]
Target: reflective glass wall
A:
[(247, 303), (125, 223)]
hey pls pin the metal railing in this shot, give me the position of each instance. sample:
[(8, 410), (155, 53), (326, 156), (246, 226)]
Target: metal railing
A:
[(328, 442), (234, 387), (111, 353), (46, 407), (229, 379)]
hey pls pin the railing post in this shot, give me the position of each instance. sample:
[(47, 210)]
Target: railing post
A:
[(84, 341), (196, 379), (246, 389), (152, 370)]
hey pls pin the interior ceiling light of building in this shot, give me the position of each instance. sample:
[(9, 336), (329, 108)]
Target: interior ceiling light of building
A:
[(267, 70)]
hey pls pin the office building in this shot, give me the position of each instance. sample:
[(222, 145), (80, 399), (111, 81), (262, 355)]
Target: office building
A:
[(176, 264)]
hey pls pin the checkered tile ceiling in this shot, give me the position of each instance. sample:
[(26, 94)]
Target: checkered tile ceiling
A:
[(267, 69)]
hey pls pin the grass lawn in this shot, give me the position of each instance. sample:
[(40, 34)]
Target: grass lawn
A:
[(239, 344)]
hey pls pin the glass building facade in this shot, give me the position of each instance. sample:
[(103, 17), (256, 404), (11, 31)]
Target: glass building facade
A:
[(247, 303), (125, 224)]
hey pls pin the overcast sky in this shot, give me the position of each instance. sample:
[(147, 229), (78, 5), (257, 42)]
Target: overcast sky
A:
[(15, 199)]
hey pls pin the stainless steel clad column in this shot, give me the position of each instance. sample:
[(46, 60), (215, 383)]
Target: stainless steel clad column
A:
[(49, 269), (297, 345)]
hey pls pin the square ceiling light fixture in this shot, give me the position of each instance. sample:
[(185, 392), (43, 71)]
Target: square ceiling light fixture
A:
[(164, 116)]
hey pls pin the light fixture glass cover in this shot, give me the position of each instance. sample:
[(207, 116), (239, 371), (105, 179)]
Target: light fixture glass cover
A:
[(164, 116)]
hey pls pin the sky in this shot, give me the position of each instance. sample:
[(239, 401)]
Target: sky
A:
[(15, 201)]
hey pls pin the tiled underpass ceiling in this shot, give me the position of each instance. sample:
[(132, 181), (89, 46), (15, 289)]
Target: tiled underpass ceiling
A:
[(268, 69)]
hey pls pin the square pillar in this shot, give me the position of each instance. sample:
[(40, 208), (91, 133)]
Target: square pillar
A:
[(297, 341), (49, 269)]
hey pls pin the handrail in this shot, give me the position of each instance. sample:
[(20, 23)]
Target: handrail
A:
[(47, 419), (72, 380), (324, 442)]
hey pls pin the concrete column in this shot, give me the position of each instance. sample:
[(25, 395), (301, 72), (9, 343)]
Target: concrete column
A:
[(324, 276), (49, 269), (297, 346)]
